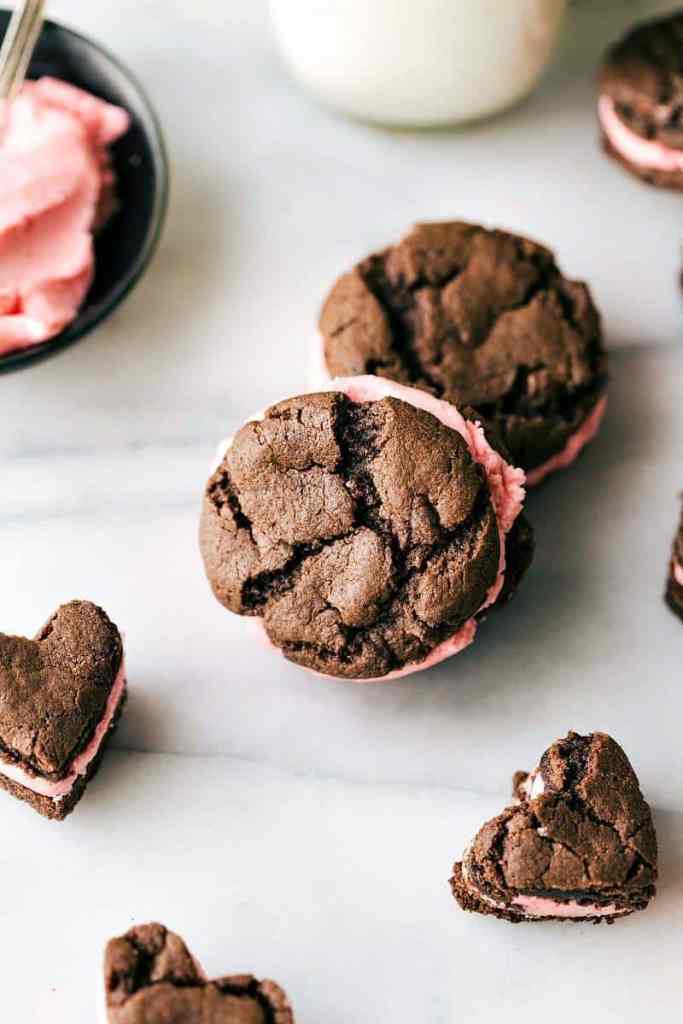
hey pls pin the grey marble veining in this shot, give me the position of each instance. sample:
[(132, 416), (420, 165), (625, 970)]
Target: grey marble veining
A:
[(588, 642), (338, 891)]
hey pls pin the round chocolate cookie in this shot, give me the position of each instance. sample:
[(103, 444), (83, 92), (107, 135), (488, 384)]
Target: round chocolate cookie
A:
[(641, 101), (366, 533), (482, 319)]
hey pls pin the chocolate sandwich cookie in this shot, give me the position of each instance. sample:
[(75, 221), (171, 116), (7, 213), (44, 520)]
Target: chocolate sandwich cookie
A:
[(674, 587), (578, 843), (61, 696), (480, 318), (641, 101), (367, 528), (151, 978)]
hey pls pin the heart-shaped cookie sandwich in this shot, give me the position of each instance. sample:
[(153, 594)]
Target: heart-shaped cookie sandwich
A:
[(60, 698), (151, 978), (578, 843)]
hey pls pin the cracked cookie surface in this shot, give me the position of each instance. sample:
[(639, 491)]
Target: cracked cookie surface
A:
[(480, 318), (363, 534), (54, 689), (581, 836), (151, 978)]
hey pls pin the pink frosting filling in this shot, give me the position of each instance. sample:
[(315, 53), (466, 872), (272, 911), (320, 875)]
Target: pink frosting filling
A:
[(79, 765), (55, 187), (678, 573), (650, 155), (506, 484), (576, 443), (543, 906)]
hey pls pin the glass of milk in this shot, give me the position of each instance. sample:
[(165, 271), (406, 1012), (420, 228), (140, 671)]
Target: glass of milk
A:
[(418, 63)]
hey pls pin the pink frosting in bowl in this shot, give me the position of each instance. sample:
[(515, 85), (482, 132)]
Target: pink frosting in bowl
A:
[(506, 485), (56, 186), (125, 245)]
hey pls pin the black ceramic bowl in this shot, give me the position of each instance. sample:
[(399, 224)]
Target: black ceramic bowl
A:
[(125, 246)]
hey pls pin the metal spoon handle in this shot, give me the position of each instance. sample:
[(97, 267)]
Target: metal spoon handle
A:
[(18, 46)]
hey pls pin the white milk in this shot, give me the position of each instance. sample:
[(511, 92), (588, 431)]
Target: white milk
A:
[(418, 62)]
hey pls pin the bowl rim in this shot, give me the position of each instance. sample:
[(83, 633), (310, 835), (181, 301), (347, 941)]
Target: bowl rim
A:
[(24, 358)]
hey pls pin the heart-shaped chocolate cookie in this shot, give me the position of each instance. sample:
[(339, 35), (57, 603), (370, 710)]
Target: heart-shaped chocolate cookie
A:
[(579, 842), (151, 978), (60, 697)]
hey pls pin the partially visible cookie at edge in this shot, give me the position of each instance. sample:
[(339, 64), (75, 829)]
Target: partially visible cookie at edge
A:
[(674, 586), (150, 977), (641, 101)]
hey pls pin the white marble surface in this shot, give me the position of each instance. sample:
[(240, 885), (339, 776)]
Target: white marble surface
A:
[(300, 827), (338, 890)]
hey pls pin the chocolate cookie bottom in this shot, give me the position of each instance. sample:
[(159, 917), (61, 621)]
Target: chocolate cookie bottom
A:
[(58, 810), (659, 179)]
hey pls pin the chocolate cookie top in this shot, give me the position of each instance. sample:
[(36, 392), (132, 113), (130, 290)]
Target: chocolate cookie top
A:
[(480, 318), (643, 75), (151, 978), (362, 533), (581, 831), (53, 689)]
